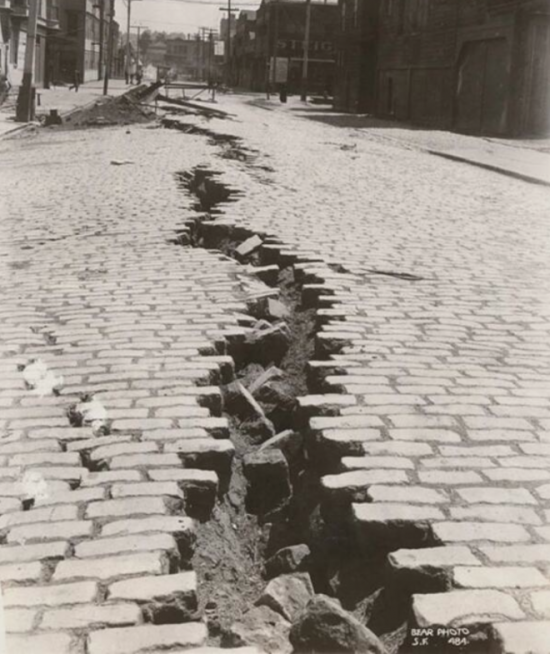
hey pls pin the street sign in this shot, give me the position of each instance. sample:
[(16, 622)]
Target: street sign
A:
[(279, 70)]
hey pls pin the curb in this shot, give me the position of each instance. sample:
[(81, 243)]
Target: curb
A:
[(494, 168)]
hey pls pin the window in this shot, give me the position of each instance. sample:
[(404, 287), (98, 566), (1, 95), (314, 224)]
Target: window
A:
[(401, 8), (418, 14), (72, 23)]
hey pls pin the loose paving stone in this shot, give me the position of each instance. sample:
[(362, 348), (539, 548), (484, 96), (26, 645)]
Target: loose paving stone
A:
[(464, 607), (522, 637), (143, 638), (498, 577)]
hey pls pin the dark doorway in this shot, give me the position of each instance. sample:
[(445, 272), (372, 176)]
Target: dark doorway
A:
[(482, 87)]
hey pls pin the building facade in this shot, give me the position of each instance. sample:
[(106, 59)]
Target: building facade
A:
[(243, 51), (14, 15), (82, 44), (356, 59), (278, 51), (477, 66), (190, 58)]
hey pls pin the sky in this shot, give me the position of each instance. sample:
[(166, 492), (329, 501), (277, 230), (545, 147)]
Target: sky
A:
[(186, 16)]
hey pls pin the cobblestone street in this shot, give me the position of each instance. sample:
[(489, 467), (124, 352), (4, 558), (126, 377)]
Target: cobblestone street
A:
[(427, 420)]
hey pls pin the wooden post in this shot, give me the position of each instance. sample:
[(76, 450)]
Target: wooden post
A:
[(25, 99), (305, 60), (109, 49)]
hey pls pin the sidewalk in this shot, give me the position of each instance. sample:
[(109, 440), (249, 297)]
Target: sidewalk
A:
[(524, 159), (59, 98)]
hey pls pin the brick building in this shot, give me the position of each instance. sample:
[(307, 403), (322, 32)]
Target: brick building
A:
[(14, 16), (189, 57), (356, 56), (477, 66), (82, 43), (279, 34), (243, 50)]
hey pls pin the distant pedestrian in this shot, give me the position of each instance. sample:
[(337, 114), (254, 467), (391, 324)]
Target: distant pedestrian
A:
[(139, 74), (76, 80), (5, 87), (132, 71)]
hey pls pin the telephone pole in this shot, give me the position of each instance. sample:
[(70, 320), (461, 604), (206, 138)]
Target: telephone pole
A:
[(127, 66), (305, 61), (25, 98), (109, 48), (101, 38), (228, 41)]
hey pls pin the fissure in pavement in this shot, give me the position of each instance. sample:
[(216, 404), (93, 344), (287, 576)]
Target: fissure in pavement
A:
[(273, 502)]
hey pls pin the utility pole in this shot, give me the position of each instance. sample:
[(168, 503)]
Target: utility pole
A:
[(109, 49), (25, 99), (305, 61), (127, 66), (101, 38), (228, 41), (197, 55)]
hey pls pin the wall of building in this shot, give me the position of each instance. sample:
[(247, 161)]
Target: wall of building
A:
[(279, 32), (472, 65)]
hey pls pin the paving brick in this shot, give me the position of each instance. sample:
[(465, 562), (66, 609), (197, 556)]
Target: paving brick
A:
[(128, 506), (517, 474), (144, 461), (399, 448), (45, 531), (491, 512), (464, 607), (168, 488), (20, 620), (8, 504), (355, 484), (106, 546), (21, 572), (85, 616), (181, 587), (54, 513), (518, 553), (186, 477), (106, 452), (42, 458), (320, 423), (146, 638), (449, 532), (52, 595), (412, 494), (58, 642), (111, 476), (522, 637), (376, 462), (385, 526), (432, 558), (35, 552), (498, 577), (107, 567), (493, 495), (23, 446), (470, 462)]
